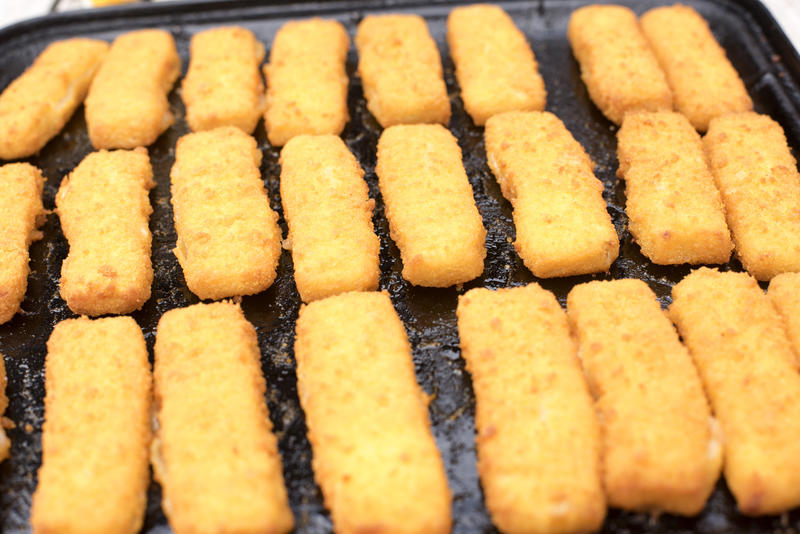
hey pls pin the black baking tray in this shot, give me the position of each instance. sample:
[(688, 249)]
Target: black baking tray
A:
[(758, 49)]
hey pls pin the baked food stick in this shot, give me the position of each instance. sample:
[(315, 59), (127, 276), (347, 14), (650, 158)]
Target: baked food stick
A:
[(704, 83), (660, 449), (21, 214), (214, 452), (563, 228), (5, 443), (675, 211), (223, 86), (784, 292), (229, 242), (750, 375), (37, 105), (104, 209), (127, 104), (401, 71), (537, 437), (307, 80), (96, 433), (495, 66), (374, 456), (430, 206), (618, 67), (760, 186), (329, 213)]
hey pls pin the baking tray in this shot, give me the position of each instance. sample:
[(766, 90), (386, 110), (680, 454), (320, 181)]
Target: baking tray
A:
[(758, 49)]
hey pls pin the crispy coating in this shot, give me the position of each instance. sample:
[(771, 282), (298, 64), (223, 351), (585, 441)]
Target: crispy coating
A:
[(760, 186), (223, 86), (537, 437), (401, 71), (704, 83), (784, 292), (430, 206), (21, 213), (750, 374), (5, 443), (214, 454), (307, 80), (96, 433), (618, 66), (675, 211), (374, 455), (104, 209), (661, 450), (329, 213), (495, 66), (563, 227), (229, 242), (37, 105), (127, 104)]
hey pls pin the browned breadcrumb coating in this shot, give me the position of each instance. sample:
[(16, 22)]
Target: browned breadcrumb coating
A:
[(784, 292), (329, 213), (214, 454), (618, 66), (223, 86), (37, 105), (127, 104), (21, 214), (661, 450), (96, 433), (104, 207), (307, 80), (704, 83), (495, 66), (537, 437), (757, 176), (675, 210), (563, 228), (375, 458), (750, 374), (5, 443), (229, 241), (430, 205), (401, 71)]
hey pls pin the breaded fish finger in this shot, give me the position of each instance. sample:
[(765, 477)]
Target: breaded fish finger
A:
[(704, 83), (537, 437), (96, 433), (784, 292), (5, 443), (660, 449), (327, 207), (37, 105), (127, 104), (21, 213), (760, 186), (307, 80), (618, 66), (229, 242), (104, 209), (750, 375), (563, 228), (223, 86), (430, 205), (495, 66), (401, 71), (214, 453), (374, 455), (675, 211)]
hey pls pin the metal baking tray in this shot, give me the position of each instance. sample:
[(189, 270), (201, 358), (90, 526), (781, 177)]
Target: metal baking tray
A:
[(758, 49)]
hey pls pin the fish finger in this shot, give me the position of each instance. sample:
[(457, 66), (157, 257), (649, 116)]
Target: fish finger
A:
[(784, 292)]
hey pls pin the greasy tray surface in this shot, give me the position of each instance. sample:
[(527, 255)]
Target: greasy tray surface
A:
[(758, 50)]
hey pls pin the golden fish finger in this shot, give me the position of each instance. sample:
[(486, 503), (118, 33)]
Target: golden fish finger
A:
[(375, 458), (537, 437), (104, 209), (229, 242), (96, 433), (784, 292), (307, 80), (127, 104), (750, 374)]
